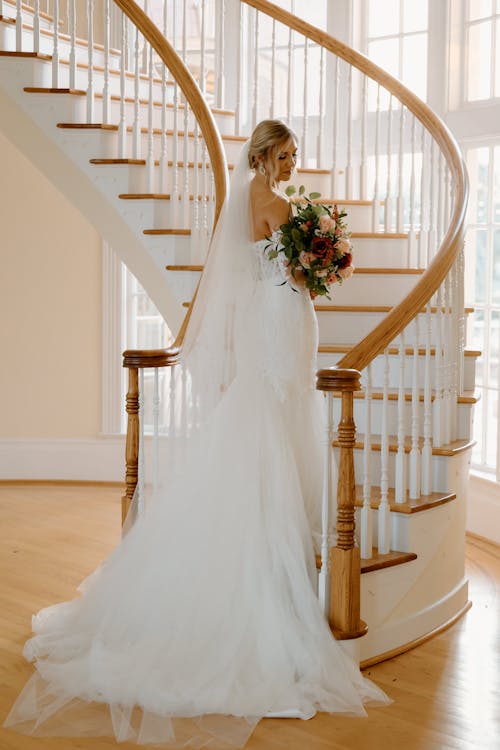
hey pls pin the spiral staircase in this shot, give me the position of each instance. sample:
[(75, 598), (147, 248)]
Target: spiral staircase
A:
[(144, 150)]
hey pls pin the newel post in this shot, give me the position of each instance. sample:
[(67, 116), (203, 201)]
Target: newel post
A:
[(132, 443), (344, 615)]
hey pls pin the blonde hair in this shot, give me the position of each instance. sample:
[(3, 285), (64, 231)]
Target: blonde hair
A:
[(265, 141)]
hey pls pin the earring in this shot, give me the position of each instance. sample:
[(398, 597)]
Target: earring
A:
[(262, 169)]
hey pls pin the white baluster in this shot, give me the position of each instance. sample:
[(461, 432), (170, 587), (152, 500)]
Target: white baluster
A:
[(136, 125), (72, 50), (412, 237), (348, 169), (195, 224), (140, 468), (376, 200), (432, 236), (400, 203), (335, 166), (454, 351), (156, 431), (427, 446), (150, 158), (423, 235), (55, 45), (448, 407), (19, 25), (122, 127), (185, 169), (384, 515), (388, 192), (324, 574), (203, 79), (438, 374), (305, 109), (321, 123), (163, 162), (291, 73), (415, 468), (255, 88), (366, 534), (90, 59), (36, 25), (273, 70), (400, 482), (460, 305), (363, 176), (106, 94), (220, 92)]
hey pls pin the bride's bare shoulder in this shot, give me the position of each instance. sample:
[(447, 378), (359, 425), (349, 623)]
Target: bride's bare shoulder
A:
[(269, 207)]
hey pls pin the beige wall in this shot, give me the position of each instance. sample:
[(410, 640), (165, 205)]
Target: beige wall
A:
[(50, 308)]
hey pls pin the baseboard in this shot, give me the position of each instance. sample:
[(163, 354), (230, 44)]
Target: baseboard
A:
[(73, 459)]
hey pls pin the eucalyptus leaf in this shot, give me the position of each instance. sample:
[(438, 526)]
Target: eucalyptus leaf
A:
[(314, 196), (290, 190), (302, 190)]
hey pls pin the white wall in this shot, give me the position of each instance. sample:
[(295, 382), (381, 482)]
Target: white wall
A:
[(483, 508), (50, 326)]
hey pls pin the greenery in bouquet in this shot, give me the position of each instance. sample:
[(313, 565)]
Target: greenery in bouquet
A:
[(315, 242)]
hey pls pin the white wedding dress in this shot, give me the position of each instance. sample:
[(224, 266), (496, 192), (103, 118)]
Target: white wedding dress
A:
[(205, 618)]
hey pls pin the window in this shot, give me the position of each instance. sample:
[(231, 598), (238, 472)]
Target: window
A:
[(396, 38), (483, 49), (483, 291)]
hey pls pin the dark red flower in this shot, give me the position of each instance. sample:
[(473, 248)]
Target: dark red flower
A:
[(322, 247), (345, 261)]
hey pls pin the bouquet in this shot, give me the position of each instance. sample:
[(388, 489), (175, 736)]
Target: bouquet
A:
[(315, 242)]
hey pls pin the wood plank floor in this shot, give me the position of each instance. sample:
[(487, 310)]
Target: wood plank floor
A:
[(446, 692)]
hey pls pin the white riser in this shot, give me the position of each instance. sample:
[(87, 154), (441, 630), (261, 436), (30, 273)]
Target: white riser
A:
[(341, 327), (464, 417), (378, 366), (375, 252), (371, 289), (440, 478)]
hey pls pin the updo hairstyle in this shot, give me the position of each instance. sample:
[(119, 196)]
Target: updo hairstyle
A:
[(265, 141)]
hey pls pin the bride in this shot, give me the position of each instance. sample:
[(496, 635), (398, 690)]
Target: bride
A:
[(205, 619)]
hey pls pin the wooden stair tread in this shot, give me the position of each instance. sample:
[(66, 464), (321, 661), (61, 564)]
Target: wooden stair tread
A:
[(393, 350), (449, 449), (114, 97), (185, 268), (380, 561), (142, 162), (7, 19), (186, 232), (41, 90), (38, 55), (157, 196), (371, 308), (358, 270), (468, 397), (86, 126), (410, 506)]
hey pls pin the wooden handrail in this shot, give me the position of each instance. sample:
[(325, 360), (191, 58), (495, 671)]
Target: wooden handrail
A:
[(401, 315), (190, 89)]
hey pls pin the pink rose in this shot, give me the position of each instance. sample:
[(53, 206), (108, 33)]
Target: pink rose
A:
[(346, 272), (343, 246), (325, 223), (322, 273), (305, 259), (331, 278)]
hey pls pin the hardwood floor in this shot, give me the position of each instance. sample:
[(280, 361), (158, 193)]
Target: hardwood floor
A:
[(446, 692)]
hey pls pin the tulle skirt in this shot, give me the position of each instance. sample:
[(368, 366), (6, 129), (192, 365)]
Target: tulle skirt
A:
[(205, 618)]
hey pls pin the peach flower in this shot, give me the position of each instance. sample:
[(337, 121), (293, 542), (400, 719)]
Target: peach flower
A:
[(346, 272), (343, 246), (306, 259), (326, 223)]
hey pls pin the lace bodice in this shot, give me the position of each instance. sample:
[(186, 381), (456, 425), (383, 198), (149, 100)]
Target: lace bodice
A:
[(269, 269)]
